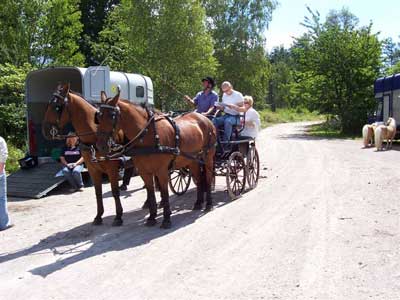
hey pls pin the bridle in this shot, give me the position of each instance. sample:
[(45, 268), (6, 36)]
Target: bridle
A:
[(115, 114), (58, 109), (114, 149), (58, 104)]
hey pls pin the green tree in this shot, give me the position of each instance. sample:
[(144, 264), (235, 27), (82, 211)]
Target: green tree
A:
[(94, 15), (40, 32), (391, 55), (12, 106), (281, 78), (166, 40), (337, 63), (238, 27)]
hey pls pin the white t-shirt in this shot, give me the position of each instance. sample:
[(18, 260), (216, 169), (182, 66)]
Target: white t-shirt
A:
[(251, 116), (234, 98)]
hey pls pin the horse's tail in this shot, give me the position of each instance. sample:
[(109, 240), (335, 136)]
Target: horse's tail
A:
[(365, 134), (378, 137)]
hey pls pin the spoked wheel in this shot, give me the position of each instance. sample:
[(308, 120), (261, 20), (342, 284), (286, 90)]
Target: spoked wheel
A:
[(253, 167), (236, 175), (179, 181)]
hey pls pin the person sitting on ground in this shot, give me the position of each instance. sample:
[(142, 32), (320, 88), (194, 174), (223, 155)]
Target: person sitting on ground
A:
[(205, 100), (73, 162), (252, 118), (231, 116), (4, 218)]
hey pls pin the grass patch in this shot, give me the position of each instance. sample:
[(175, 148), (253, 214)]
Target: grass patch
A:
[(287, 115), (14, 154), (329, 129)]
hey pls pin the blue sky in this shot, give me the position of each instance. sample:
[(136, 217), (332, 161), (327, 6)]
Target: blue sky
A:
[(385, 15)]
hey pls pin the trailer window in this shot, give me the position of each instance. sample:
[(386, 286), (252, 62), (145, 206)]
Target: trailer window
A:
[(140, 92)]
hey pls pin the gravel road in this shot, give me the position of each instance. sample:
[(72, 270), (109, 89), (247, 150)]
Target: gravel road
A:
[(322, 224)]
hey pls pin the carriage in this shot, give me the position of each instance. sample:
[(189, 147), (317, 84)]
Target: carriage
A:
[(237, 160)]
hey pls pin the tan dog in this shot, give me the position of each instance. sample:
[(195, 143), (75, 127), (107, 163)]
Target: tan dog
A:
[(385, 132)]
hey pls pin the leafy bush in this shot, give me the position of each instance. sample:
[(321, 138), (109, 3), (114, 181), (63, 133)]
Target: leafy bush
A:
[(286, 115), (14, 154), (12, 106)]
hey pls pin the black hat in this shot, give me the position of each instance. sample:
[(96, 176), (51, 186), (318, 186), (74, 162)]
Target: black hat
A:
[(210, 80)]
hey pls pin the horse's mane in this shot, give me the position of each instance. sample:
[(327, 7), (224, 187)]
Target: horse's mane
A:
[(144, 107), (80, 95)]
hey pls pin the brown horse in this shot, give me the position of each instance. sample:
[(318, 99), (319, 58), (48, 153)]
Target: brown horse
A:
[(65, 107), (158, 144)]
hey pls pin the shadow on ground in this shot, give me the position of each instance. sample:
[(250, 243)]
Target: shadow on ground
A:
[(86, 241)]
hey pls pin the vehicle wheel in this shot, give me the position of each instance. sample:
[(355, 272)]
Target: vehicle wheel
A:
[(253, 167), (179, 181), (235, 175)]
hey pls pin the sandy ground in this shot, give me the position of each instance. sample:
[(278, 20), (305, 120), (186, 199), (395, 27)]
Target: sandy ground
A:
[(322, 224)]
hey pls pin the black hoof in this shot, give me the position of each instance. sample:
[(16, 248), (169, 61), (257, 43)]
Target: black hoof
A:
[(97, 221), (151, 222), (166, 224), (117, 222), (208, 208), (123, 187), (197, 206), (145, 205)]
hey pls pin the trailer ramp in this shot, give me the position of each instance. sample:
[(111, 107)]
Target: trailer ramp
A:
[(36, 182)]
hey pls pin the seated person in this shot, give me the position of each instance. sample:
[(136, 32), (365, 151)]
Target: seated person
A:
[(252, 118), (231, 116), (204, 100), (73, 162)]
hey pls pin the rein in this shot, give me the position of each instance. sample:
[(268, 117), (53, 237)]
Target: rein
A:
[(129, 150)]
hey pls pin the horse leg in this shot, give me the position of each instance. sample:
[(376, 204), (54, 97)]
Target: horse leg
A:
[(163, 182), (113, 177), (151, 199), (196, 173), (209, 178), (97, 181)]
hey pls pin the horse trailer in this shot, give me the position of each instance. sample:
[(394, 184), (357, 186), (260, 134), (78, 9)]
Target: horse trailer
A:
[(39, 88), (387, 96)]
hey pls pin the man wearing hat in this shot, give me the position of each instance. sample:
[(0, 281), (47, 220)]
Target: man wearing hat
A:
[(204, 100)]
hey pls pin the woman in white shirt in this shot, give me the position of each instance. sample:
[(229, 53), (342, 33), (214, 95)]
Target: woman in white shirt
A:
[(252, 118)]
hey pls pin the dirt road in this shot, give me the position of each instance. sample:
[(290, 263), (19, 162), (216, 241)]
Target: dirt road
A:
[(323, 224)]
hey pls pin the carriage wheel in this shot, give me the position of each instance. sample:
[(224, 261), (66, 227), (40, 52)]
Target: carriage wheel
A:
[(253, 167), (235, 175), (179, 181)]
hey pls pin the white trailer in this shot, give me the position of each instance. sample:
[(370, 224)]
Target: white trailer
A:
[(39, 88)]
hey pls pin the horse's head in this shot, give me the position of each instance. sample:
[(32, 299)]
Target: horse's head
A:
[(391, 122), (107, 118), (56, 115)]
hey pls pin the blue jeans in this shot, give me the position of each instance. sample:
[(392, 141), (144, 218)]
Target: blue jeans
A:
[(228, 121), (4, 219), (74, 176)]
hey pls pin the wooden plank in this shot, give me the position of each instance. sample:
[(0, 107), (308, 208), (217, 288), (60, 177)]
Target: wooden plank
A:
[(35, 182)]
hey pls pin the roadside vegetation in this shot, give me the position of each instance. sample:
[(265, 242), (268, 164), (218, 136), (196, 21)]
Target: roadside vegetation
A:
[(286, 115)]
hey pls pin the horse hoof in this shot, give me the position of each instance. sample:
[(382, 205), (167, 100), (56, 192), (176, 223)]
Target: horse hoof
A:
[(151, 222), (197, 206), (165, 224), (145, 205), (97, 221), (208, 208), (117, 222)]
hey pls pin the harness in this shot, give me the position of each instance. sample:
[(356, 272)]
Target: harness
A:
[(59, 108), (131, 149)]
